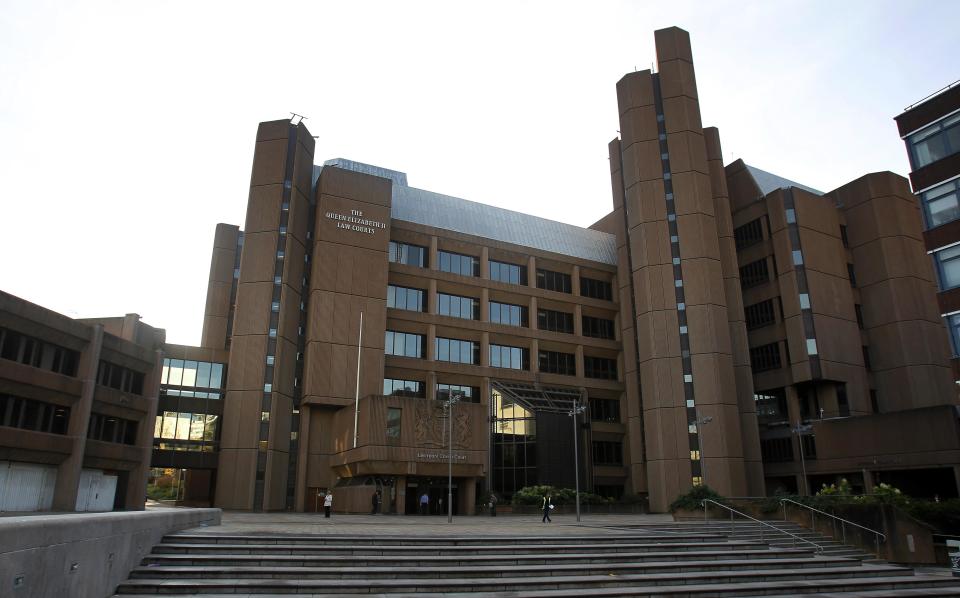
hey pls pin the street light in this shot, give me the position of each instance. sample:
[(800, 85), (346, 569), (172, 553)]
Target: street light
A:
[(574, 412), (453, 399), (702, 421)]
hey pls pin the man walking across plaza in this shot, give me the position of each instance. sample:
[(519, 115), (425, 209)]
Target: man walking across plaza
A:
[(547, 505), (424, 503), (327, 504)]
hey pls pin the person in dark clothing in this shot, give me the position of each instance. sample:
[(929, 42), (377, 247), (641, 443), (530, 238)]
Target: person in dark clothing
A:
[(547, 505), (493, 505), (375, 503)]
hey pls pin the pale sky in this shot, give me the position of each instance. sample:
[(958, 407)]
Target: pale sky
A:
[(127, 128)]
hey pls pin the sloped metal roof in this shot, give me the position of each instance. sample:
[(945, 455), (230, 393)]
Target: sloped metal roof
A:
[(767, 181), (469, 217)]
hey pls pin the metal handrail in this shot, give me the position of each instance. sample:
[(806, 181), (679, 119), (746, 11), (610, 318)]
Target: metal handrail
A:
[(732, 511), (878, 536)]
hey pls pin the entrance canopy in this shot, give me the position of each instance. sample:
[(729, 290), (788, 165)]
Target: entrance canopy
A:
[(535, 397)]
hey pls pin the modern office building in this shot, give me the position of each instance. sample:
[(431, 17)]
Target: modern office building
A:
[(931, 131), (77, 403), (720, 325)]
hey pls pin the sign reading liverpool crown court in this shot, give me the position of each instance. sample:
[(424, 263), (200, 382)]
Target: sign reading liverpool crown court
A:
[(356, 222)]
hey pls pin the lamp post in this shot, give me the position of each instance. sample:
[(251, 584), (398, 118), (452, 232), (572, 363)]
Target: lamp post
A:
[(702, 421), (449, 403), (799, 430), (574, 412)]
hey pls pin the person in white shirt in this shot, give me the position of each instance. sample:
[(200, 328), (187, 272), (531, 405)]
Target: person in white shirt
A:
[(327, 504)]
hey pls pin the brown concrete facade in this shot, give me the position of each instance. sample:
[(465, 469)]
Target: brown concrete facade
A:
[(702, 371), (78, 395)]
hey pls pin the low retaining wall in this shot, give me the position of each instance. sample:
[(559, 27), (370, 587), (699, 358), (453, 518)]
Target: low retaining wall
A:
[(81, 555)]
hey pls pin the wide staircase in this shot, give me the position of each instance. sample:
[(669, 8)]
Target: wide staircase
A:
[(669, 560)]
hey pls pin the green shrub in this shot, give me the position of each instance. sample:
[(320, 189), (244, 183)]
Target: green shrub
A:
[(533, 495), (944, 515), (693, 500)]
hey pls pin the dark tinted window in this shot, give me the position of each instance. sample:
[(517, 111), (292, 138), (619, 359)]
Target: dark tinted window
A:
[(554, 281), (760, 314), (749, 234), (598, 289), (599, 367), (765, 357), (553, 362), (405, 253), (598, 327), (403, 388), (555, 321), (754, 273)]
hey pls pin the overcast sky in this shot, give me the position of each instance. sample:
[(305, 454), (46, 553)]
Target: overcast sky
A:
[(127, 128)]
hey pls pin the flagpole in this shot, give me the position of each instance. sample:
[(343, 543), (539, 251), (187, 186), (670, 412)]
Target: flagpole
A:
[(356, 396)]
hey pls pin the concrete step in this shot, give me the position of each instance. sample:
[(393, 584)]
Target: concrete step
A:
[(521, 584), (502, 559), (428, 550), (545, 570), (388, 540)]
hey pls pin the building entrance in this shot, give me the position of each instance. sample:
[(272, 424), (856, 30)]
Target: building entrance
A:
[(435, 490)]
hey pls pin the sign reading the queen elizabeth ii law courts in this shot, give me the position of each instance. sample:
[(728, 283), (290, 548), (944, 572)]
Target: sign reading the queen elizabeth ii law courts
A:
[(356, 222)]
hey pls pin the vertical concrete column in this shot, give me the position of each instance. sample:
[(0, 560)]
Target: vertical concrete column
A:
[(578, 319), (534, 355), (532, 272), (617, 333), (532, 313), (484, 305), (303, 454), (579, 361), (68, 472), (434, 262), (466, 497), (402, 495), (136, 492), (868, 481), (432, 297), (484, 262), (431, 386), (485, 349), (575, 281), (431, 342), (219, 285)]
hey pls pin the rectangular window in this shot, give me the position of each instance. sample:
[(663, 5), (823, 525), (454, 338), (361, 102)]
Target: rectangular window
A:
[(771, 406), (554, 321), (508, 273), (508, 314), (598, 327), (765, 357), (405, 298), (405, 253), (456, 263), (37, 353), (554, 281), (107, 428), (776, 450), (754, 273), (513, 358), (597, 289), (937, 141), (606, 452), (125, 379), (953, 325), (858, 310), (866, 358), (393, 425), (456, 306), (599, 367), (948, 267), (403, 388), (404, 344), (457, 351), (467, 394), (553, 362), (843, 236), (605, 410), (811, 347), (940, 204), (760, 314), (851, 273), (748, 234), (29, 414)]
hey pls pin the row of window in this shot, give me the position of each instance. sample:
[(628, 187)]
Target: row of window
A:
[(34, 352), (417, 389), (468, 265), (507, 314), (937, 141), (120, 378), (199, 374), (186, 426), (28, 414), (607, 452), (107, 428), (407, 344)]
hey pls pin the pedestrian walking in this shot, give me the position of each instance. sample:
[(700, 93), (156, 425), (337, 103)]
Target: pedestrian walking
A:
[(493, 505), (327, 504), (375, 503), (424, 503), (547, 505)]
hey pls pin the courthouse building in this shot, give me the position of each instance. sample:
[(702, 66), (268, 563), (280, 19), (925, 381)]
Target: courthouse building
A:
[(721, 325)]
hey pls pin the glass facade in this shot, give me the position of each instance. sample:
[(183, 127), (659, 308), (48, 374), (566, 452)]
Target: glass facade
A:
[(940, 204), (403, 388), (179, 431), (514, 358), (404, 344), (948, 266), (934, 142), (509, 273), (457, 351), (514, 444), (188, 378), (508, 314), (469, 394), (406, 298), (456, 306), (405, 253)]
